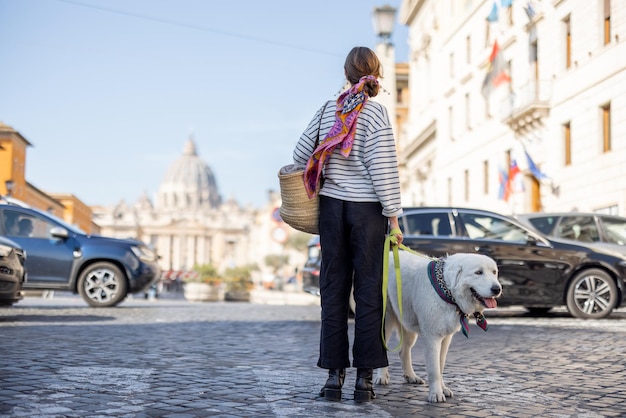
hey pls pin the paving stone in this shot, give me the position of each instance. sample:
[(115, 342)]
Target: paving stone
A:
[(170, 358)]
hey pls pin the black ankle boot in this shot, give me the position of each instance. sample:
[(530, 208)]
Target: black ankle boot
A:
[(363, 390), (332, 388)]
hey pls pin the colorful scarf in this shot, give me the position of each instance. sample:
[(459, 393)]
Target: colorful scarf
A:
[(349, 105)]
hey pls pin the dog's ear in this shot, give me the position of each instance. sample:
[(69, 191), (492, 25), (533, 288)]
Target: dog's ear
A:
[(456, 269)]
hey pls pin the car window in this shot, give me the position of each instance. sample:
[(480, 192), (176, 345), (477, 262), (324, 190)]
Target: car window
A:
[(615, 230), (579, 228), (433, 224), (314, 252), (544, 224), (480, 226), (18, 224)]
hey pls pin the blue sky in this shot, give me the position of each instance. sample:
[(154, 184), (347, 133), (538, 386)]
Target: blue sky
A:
[(109, 91)]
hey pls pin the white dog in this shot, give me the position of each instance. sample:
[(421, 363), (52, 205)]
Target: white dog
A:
[(436, 300)]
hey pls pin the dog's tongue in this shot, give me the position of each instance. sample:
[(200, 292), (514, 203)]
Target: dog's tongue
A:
[(490, 302)]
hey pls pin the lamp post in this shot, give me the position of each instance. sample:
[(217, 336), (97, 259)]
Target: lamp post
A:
[(9, 185), (384, 18)]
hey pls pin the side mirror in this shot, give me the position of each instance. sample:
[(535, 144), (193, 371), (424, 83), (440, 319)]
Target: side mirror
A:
[(531, 239), (58, 232)]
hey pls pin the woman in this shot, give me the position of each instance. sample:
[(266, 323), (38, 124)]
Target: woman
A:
[(359, 199)]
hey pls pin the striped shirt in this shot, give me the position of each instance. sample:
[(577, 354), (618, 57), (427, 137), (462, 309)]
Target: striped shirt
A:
[(370, 172)]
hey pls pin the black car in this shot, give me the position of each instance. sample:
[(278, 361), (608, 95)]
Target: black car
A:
[(62, 257), (604, 231), (536, 271), (12, 272)]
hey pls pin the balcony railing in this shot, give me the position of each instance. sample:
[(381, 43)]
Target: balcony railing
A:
[(527, 104)]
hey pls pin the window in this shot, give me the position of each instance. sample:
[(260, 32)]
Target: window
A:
[(579, 228), (466, 179), (487, 108), (509, 13), (607, 21), (534, 51), (433, 224), (608, 210), (615, 230), (479, 226), (606, 127), (486, 177), (468, 112), (567, 138), (451, 65), (568, 42), (509, 72), (544, 224), (18, 224), (451, 122)]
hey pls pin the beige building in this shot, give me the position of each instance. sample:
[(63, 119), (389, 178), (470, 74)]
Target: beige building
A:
[(561, 104)]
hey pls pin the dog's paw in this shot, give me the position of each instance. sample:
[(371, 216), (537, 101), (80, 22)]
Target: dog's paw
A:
[(436, 397), (413, 379), (447, 392), (382, 378)]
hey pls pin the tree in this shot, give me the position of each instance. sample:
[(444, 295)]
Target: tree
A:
[(276, 261)]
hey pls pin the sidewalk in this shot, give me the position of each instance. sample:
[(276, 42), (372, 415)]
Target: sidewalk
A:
[(275, 297)]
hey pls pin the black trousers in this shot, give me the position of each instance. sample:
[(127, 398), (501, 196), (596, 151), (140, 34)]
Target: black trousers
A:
[(352, 238)]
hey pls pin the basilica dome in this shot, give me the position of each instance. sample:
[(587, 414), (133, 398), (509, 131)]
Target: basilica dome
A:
[(188, 183)]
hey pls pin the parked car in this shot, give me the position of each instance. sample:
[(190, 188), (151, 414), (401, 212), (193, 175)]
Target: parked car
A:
[(604, 231), (311, 269), (62, 257), (537, 272), (12, 272)]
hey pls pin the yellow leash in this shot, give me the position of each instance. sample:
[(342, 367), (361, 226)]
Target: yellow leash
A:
[(391, 243)]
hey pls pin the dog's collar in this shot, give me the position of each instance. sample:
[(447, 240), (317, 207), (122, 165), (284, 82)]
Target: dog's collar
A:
[(435, 274)]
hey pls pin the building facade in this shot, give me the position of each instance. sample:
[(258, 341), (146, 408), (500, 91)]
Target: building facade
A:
[(516, 106)]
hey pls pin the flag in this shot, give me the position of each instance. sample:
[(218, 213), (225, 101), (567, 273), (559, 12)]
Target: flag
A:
[(530, 9), (496, 73), (532, 167), (494, 14), (516, 183), (505, 186), (513, 169), (508, 183)]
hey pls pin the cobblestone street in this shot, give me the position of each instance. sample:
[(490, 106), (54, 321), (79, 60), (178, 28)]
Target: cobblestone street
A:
[(172, 358)]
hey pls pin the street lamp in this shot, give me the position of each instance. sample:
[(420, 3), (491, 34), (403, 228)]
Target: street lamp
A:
[(384, 19), (10, 185)]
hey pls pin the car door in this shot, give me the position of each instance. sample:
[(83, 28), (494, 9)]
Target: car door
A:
[(529, 269), (432, 232), (49, 259)]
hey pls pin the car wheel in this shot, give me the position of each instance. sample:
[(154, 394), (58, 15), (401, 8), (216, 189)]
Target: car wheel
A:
[(102, 284), (592, 294)]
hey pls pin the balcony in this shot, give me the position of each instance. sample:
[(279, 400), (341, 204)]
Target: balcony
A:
[(524, 108)]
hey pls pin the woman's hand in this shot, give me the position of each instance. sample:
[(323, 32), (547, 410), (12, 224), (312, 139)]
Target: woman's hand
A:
[(395, 230)]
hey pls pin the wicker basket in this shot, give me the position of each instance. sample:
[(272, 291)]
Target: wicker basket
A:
[(297, 210)]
